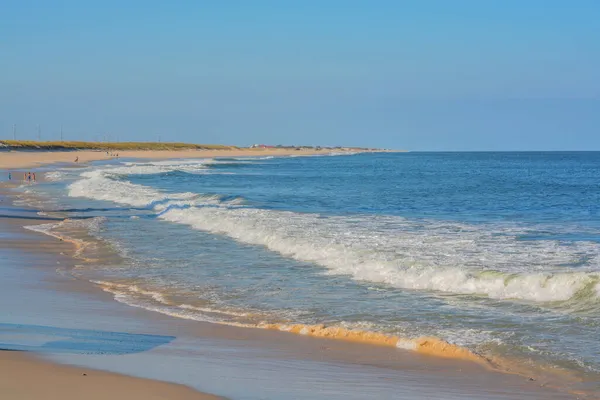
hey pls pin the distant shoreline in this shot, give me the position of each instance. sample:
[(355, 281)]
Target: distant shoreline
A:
[(28, 145), (27, 158)]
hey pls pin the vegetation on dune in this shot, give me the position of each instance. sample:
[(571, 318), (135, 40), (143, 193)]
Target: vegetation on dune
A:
[(107, 146)]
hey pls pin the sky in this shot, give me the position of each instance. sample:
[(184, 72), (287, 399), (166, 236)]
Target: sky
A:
[(420, 75)]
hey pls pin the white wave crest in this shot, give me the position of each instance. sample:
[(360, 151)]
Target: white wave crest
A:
[(253, 158), (411, 254), (54, 176), (402, 257), (106, 183), (99, 186)]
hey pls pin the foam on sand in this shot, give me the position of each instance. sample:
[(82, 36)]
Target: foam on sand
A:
[(134, 295), (137, 295), (57, 230), (426, 345)]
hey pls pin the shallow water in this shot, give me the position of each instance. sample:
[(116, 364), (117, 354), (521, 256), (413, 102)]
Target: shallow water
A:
[(495, 252), (62, 319)]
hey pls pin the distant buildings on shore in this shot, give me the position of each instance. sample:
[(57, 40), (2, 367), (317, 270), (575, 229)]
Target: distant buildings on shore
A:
[(317, 148)]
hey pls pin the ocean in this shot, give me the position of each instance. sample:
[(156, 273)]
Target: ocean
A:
[(494, 253)]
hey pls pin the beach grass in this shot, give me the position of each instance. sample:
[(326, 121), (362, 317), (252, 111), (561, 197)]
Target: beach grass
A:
[(107, 146)]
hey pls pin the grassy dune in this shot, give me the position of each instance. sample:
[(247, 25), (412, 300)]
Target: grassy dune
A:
[(107, 146)]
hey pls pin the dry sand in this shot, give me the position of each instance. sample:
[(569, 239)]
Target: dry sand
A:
[(30, 159), (23, 377)]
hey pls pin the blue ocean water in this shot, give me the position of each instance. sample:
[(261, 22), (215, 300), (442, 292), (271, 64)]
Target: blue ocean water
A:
[(496, 252)]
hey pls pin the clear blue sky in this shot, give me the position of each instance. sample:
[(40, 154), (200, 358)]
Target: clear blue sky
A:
[(420, 75)]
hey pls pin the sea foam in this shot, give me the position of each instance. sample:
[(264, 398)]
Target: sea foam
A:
[(437, 256)]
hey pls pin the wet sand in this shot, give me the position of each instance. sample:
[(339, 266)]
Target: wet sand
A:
[(231, 361), (23, 377)]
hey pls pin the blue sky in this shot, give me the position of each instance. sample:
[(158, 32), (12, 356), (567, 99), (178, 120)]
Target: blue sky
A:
[(419, 75)]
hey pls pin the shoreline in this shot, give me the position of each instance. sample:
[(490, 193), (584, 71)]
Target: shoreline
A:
[(403, 360), (30, 374), (34, 159)]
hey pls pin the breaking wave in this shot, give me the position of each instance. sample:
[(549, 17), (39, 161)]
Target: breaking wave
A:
[(54, 176), (454, 258), (434, 260)]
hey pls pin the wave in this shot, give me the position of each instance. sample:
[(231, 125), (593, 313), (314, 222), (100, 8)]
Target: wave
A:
[(403, 258), (109, 184), (159, 300), (58, 230), (95, 185), (153, 300), (248, 158), (196, 166), (54, 176), (156, 168), (102, 185), (231, 164), (136, 296), (435, 256)]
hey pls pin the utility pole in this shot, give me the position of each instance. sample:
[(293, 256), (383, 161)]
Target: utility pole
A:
[(14, 131)]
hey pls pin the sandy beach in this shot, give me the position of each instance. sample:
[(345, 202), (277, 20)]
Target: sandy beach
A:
[(29, 159), (300, 200), (203, 355), (24, 377)]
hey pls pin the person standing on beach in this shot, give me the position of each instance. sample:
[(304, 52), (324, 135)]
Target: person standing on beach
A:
[(33, 176), (9, 176)]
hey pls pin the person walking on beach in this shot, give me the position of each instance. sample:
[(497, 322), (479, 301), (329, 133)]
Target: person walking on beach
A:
[(33, 176), (9, 176)]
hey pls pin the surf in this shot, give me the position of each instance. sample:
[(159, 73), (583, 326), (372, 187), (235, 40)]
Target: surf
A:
[(399, 252)]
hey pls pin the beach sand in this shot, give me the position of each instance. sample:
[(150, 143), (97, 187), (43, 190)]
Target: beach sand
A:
[(30, 159), (24, 377), (279, 361)]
